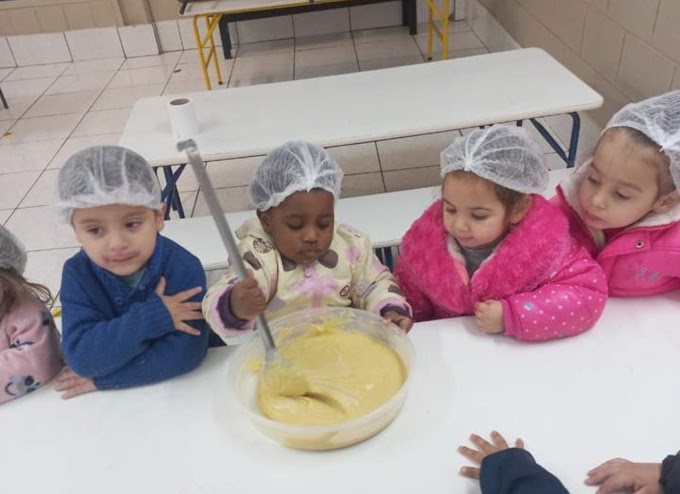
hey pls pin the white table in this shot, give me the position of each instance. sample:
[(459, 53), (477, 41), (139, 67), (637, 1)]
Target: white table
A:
[(384, 217), (610, 392), (365, 106)]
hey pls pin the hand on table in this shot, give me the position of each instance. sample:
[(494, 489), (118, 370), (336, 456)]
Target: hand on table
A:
[(484, 449), (73, 385), (615, 475), (489, 316), (181, 308), (404, 322)]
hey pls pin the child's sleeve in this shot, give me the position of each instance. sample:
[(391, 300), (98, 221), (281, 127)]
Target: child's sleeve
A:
[(514, 471), (374, 289), (421, 304), (33, 355), (217, 303), (566, 305), (172, 354)]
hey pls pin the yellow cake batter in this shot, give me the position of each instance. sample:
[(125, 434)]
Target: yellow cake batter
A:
[(348, 374)]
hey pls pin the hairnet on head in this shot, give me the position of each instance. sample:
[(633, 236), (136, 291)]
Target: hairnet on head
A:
[(293, 167), (12, 253), (105, 175), (659, 119), (504, 155)]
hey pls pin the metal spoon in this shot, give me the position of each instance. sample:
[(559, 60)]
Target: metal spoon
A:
[(278, 373)]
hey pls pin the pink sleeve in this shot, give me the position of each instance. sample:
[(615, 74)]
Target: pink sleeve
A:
[(568, 304), (31, 353)]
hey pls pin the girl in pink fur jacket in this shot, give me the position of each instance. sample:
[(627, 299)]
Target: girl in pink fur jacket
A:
[(494, 248), (30, 354), (623, 204)]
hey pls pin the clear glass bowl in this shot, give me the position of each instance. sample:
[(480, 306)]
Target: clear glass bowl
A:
[(244, 382)]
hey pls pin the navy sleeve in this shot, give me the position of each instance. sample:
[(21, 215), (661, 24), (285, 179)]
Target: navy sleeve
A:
[(95, 345), (670, 474), (177, 352), (514, 471)]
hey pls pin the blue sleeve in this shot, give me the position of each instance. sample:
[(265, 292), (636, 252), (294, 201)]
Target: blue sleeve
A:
[(171, 355), (514, 471), (95, 345)]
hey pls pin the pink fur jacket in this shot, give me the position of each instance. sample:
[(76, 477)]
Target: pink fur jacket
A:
[(549, 286)]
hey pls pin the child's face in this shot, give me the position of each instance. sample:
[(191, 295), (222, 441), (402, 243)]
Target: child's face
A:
[(118, 238), (302, 225), (473, 214), (621, 185)]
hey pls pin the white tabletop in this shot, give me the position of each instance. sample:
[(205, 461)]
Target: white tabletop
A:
[(609, 392), (365, 106), (384, 217)]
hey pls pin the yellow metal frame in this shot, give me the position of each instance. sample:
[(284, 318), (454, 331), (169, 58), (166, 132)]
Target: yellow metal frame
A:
[(206, 46), (435, 14)]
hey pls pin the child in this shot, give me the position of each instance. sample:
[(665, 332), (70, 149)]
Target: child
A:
[(623, 203), (29, 342), (130, 298), (297, 255), (493, 248)]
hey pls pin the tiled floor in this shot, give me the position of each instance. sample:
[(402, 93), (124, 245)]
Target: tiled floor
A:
[(58, 109)]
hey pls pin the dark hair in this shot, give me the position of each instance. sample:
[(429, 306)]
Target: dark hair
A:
[(664, 179), (13, 285), (509, 198)]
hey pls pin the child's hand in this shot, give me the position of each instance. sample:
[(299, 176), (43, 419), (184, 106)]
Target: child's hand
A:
[(618, 474), (489, 316), (73, 385), (247, 300), (485, 449), (404, 322), (180, 309)]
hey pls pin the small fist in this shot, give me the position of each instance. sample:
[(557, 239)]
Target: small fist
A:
[(404, 322), (247, 300), (489, 316), (71, 384)]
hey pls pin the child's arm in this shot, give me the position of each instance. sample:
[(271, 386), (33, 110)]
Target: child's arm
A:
[(95, 346), (218, 304), (374, 289), (421, 304), (568, 304), (169, 356), (33, 355)]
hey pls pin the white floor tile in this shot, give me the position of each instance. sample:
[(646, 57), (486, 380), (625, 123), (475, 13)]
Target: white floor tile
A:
[(28, 88), (34, 49), (164, 59), (5, 72), (30, 156), (81, 82), (92, 66), (38, 71), (412, 178), (4, 127), (94, 44), (263, 48), (75, 144), (326, 70), (231, 199), (139, 40), (141, 77), (62, 104), (233, 173), (325, 56), (45, 267), (168, 35), (398, 33), (192, 71), (363, 184), (368, 52), (126, 97), (554, 161), (43, 191), (183, 87), (413, 152), (42, 128), (466, 40), (356, 158), (454, 27), (376, 15), (276, 62), (265, 29), (17, 107), (324, 41), (38, 229), (253, 78), (102, 122), (386, 63), (322, 22), (4, 215), (14, 186)]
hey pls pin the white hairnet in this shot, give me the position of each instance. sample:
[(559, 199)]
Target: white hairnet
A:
[(659, 119), (104, 175), (504, 155), (12, 253), (295, 166)]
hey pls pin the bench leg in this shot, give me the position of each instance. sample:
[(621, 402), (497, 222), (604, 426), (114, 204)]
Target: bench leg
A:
[(409, 16), (569, 156), (170, 194), (226, 38), (4, 101)]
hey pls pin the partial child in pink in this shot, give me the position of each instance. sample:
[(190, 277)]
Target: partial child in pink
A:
[(30, 354), (494, 248), (623, 204)]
